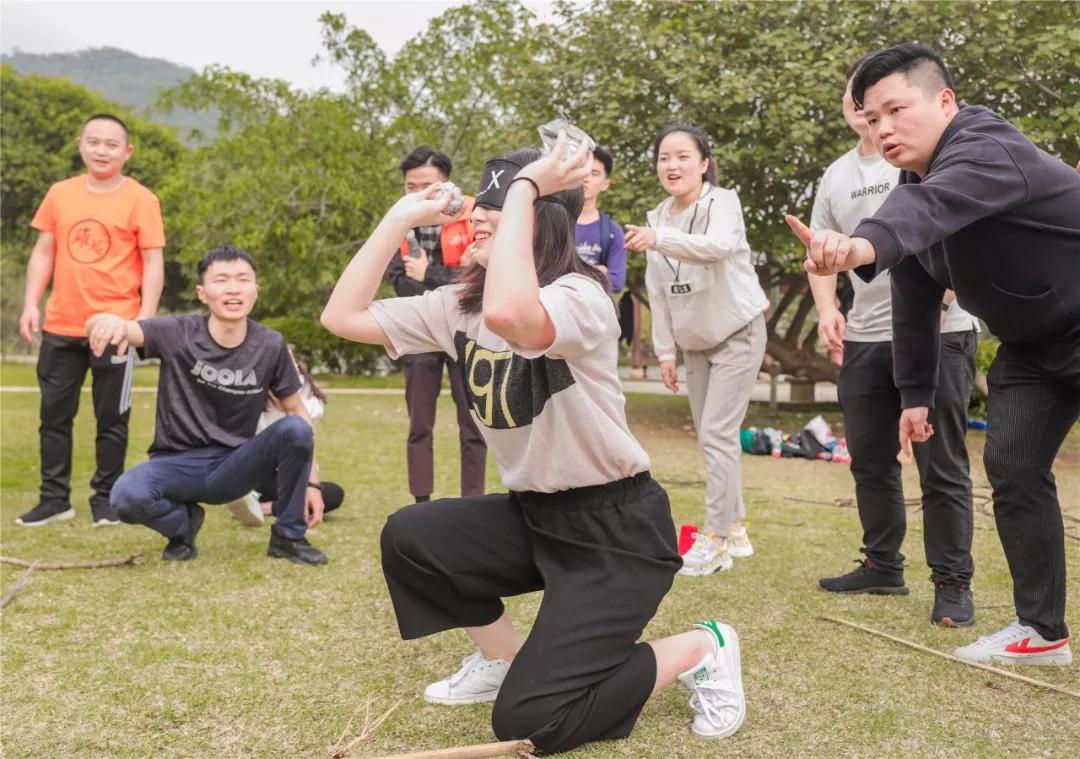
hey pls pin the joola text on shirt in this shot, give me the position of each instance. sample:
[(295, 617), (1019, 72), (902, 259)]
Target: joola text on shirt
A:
[(226, 379)]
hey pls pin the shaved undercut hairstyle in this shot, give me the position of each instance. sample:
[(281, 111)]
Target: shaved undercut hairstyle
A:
[(853, 69), (920, 65)]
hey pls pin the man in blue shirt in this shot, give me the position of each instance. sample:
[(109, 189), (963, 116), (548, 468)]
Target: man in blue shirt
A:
[(599, 238)]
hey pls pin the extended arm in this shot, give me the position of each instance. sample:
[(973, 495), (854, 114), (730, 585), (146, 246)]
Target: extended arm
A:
[(346, 313), (722, 234), (110, 329), (973, 178)]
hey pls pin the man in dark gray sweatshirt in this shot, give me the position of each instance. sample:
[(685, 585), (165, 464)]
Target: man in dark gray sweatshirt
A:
[(982, 211)]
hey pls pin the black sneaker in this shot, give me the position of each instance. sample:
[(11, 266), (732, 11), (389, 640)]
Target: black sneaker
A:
[(103, 516), (44, 513), (953, 605), (298, 551), (866, 579), (182, 547)]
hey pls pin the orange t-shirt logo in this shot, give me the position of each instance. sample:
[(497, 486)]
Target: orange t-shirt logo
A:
[(88, 241)]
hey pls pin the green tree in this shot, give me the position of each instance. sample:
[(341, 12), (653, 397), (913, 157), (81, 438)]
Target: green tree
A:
[(298, 179), (764, 79)]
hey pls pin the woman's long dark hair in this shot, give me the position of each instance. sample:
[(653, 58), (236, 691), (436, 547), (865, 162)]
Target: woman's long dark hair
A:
[(554, 243), (703, 144)]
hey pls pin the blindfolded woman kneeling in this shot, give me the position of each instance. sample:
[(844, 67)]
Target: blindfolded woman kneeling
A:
[(535, 335)]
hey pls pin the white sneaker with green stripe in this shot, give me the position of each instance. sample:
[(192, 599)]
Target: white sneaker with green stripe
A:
[(715, 684)]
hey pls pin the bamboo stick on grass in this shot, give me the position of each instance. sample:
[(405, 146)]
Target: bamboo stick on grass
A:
[(950, 657)]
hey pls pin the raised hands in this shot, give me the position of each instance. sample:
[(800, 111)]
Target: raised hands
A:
[(558, 170), (423, 209), (829, 252)]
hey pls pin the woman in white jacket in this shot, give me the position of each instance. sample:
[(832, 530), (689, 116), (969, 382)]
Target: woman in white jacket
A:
[(706, 300)]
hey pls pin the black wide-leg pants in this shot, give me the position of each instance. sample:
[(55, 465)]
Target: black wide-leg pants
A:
[(604, 556)]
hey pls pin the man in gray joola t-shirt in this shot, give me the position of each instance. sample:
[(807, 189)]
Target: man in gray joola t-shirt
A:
[(852, 189)]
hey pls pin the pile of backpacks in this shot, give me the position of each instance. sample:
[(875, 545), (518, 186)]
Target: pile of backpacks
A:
[(814, 441)]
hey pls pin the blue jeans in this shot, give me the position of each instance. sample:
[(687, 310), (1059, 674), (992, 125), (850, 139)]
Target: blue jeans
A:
[(156, 492)]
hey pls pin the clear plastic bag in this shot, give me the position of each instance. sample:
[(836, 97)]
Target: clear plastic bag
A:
[(575, 137)]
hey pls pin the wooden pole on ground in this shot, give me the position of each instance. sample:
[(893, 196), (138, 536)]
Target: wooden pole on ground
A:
[(522, 748), (132, 558), (950, 657)]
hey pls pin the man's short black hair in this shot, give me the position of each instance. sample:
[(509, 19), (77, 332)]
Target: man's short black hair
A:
[(224, 253), (425, 156), (109, 117), (605, 158), (910, 59)]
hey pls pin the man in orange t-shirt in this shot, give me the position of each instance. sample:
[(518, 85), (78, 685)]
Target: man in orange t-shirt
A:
[(100, 243)]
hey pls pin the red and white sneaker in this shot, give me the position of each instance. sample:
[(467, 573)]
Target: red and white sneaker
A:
[(1017, 644)]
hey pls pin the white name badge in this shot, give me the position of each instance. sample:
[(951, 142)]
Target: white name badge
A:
[(681, 288)]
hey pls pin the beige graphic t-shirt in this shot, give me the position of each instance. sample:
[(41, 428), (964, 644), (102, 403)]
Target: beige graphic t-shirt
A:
[(553, 419)]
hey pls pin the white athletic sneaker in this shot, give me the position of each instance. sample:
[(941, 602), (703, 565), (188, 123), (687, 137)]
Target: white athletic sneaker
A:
[(477, 681), (715, 684), (705, 557), (738, 544), (248, 510), (1017, 644)]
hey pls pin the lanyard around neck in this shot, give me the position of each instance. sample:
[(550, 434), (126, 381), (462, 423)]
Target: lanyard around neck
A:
[(677, 269)]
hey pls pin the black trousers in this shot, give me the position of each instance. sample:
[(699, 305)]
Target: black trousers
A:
[(604, 556), (423, 379), (871, 406), (61, 368), (1034, 400)]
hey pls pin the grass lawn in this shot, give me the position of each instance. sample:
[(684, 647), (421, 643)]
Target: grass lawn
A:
[(237, 655)]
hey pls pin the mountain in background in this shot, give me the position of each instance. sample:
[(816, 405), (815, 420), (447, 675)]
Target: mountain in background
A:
[(122, 77)]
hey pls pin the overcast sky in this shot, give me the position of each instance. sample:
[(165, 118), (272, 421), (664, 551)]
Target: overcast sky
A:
[(266, 39)]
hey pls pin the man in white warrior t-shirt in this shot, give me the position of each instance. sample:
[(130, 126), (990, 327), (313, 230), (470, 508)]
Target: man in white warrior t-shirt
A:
[(853, 188)]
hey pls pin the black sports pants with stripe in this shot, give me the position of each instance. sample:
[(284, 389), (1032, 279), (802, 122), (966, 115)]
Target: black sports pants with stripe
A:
[(1034, 401), (604, 556), (61, 368)]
